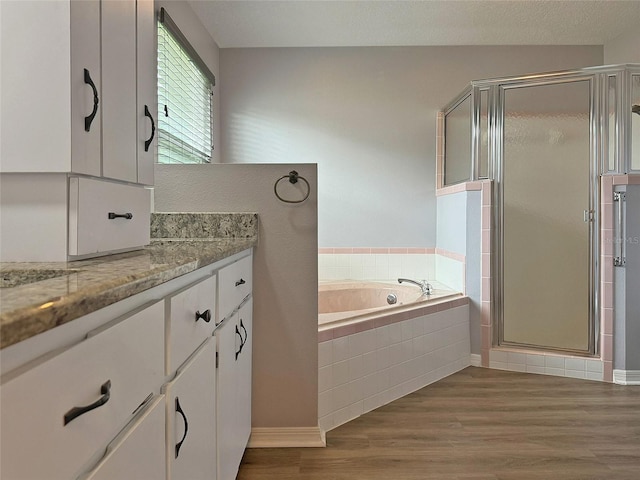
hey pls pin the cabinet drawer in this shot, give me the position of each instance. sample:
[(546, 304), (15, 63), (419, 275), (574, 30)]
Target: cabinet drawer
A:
[(138, 451), (235, 283), (106, 216), (128, 353), (190, 319)]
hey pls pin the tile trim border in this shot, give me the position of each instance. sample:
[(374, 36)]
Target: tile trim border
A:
[(474, 186), (452, 255), (376, 250)]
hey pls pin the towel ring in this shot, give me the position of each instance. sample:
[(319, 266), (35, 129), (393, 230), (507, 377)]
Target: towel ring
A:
[(293, 178)]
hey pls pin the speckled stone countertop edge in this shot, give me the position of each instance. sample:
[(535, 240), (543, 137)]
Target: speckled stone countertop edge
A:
[(29, 320)]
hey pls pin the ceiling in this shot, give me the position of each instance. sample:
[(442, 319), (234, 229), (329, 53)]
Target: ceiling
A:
[(324, 23)]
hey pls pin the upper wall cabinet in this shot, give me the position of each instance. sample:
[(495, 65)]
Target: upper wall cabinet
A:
[(79, 88)]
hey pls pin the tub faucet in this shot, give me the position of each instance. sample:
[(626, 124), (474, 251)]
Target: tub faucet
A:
[(426, 288)]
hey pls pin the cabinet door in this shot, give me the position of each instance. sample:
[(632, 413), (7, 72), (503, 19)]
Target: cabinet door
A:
[(244, 376), (191, 420), (138, 452), (229, 340), (119, 104), (86, 88), (34, 87), (147, 96), (234, 390)]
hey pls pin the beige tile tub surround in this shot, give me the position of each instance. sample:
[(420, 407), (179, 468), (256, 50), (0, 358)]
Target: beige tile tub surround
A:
[(369, 364)]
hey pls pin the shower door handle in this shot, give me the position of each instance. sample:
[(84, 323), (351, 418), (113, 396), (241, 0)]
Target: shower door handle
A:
[(619, 259)]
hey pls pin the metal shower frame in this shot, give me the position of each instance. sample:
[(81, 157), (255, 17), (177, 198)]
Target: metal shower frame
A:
[(599, 79)]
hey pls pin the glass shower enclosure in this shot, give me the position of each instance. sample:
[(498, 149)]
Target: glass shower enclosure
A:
[(545, 140)]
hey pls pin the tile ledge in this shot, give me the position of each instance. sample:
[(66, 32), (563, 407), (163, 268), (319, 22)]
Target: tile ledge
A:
[(544, 353), (630, 179), (475, 185)]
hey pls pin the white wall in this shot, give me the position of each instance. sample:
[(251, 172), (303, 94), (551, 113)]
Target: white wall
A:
[(623, 49), (366, 116), (285, 355), (200, 39)]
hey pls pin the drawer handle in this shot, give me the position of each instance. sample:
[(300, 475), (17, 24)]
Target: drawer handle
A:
[(240, 282), (206, 315), (186, 426), (246, 335), (147, 143), (113, 215), (88, 120), (241, 342), (75, 412)]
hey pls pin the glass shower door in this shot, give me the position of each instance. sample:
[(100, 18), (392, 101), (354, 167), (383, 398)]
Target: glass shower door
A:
[(544, 184)]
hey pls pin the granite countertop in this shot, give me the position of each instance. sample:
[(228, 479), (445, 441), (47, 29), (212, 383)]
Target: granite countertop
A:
[(183, 243)]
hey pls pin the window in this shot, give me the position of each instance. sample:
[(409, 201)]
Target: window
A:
[(457, 142), (185, 94)]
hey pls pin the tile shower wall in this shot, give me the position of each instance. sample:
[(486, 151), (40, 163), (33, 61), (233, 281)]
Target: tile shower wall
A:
[(375, 263), (365, 370), (391, 263), (450, 270)]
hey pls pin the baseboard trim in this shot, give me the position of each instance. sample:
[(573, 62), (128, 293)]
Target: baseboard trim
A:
[(285, 437), (475, 360), (626, 377)]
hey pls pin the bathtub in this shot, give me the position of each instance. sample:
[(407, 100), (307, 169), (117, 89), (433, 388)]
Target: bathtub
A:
[(346, 302), (371, 353)]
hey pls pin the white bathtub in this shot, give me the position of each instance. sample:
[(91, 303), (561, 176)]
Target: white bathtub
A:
[(344, 302), (371, 353)]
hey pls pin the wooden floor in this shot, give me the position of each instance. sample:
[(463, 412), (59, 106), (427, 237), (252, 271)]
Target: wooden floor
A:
[(478, 424)]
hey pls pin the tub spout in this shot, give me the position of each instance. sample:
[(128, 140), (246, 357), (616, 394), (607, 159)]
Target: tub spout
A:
[(426, 288)]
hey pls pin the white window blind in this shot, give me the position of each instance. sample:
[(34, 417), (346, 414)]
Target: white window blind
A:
[(185, 120)]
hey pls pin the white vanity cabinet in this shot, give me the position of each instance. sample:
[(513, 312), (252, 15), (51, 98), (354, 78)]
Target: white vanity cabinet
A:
[(190, 417), (68, 404), (150, 387)]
